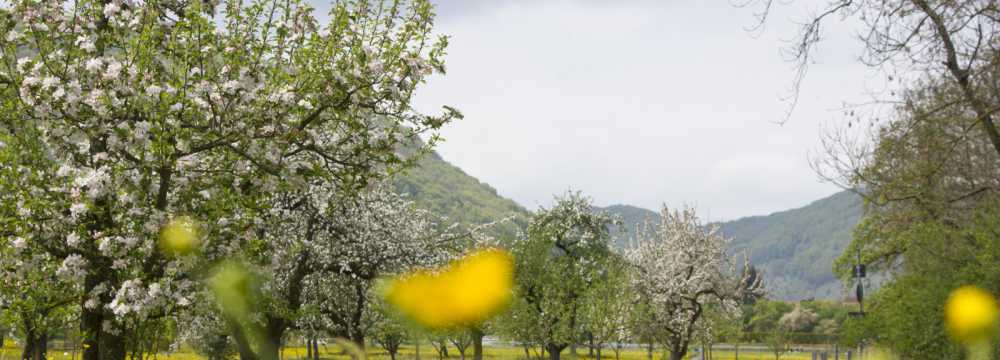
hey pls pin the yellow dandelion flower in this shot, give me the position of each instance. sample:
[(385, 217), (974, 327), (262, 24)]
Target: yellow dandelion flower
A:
[(179, 237), (971, 315), (465, 293)]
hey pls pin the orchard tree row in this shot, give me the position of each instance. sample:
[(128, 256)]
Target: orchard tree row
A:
[(670, 289), (265, 139)]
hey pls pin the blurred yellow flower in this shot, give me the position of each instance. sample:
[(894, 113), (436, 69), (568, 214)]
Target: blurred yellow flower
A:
[(230, 283), (467, 292), (179, 237), (971, 315)]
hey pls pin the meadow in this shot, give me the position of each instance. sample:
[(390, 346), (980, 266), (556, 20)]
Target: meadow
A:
[(408, 352)]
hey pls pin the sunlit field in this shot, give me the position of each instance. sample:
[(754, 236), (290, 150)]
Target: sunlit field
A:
[(407, 352)]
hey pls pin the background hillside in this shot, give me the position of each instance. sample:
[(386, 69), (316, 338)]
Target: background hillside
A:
[(446, 190), (795, 248)]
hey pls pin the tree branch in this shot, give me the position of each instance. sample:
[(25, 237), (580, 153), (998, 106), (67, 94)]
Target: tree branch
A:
[(960, 74)]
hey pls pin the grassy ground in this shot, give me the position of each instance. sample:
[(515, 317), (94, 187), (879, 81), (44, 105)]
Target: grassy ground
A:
[(11, 352)]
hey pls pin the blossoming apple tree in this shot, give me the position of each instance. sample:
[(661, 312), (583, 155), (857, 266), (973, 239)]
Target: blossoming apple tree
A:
[(129, 113), (681, 268), (37, 292), (321, 243), (558, 261), (379, 234)]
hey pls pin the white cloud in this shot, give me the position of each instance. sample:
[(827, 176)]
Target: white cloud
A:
[(638, 102)]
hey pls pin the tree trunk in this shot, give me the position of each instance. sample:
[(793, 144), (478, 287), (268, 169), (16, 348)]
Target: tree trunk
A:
[(91, 323), (97, 343), (271, 349), (599, 352), (276, 325), (416, 348), (356, 333), (316, 349), (477, 343), (590, 344), (309, 349), (677, 352), (649, 351), (35, 345), (437, 345), (393, 347), (358, 338), (29, 345), (555, 350), (41, 347)]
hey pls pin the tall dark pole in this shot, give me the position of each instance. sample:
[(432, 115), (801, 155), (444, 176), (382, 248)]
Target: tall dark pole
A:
[(859, 276)]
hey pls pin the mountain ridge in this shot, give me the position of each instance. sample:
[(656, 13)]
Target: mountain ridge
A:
[(794, 248)]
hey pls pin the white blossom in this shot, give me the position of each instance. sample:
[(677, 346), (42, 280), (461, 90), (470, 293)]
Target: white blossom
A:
[(114, 69), (111, 9), (64, 170), (49, 82), (72, 240), (19, 244), (22, 63), (154, 90), (13, 35), (77, 209), (119, 264), (86, 43), (72, 266), (230, 86), (91, 303), (94, 65)]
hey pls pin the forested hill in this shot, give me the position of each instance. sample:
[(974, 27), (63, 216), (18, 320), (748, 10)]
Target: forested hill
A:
[(795, 248), (446, 190)]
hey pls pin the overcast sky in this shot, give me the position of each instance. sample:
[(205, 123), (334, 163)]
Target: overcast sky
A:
[(639, 102)]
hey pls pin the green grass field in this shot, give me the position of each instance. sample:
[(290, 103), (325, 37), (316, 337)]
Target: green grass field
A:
[(11, 352)]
